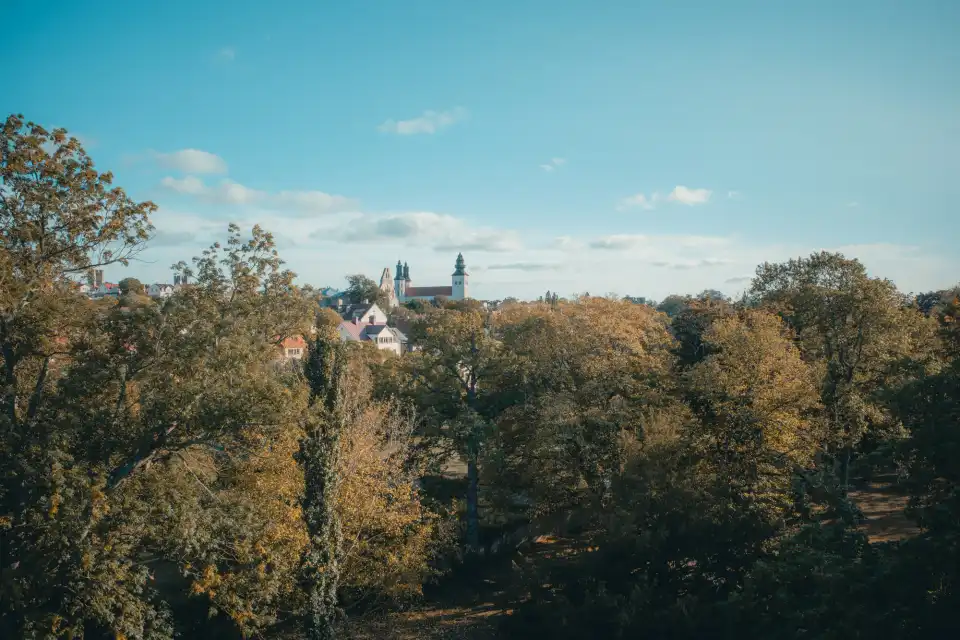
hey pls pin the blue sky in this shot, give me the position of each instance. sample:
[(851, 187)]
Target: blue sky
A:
[(633, 147)]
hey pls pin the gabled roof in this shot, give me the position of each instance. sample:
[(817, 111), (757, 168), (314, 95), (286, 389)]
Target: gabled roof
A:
[(351, 311), (294, 342), (360, 331), (415, 292), (376, 329), (354, 331)]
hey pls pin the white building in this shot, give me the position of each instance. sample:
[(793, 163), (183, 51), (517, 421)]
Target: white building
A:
[(160, 290), (368, 323), (403, 289)]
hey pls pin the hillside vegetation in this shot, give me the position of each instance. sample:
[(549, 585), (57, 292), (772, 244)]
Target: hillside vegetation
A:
[(782, 466)]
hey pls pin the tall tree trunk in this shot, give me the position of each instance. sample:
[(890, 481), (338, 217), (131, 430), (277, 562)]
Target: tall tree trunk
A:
[(321, 560), (325, 369), (473, 504)]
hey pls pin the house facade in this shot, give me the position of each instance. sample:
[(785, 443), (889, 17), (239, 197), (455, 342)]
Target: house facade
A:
[(368, 323), (293, 348), (159, 290)]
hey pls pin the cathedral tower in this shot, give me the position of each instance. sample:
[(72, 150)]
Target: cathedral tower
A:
[(460, 277), (398, 282)]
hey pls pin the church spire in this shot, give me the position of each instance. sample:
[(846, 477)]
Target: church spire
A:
[(406, 272), (399, 275), (460, 269)]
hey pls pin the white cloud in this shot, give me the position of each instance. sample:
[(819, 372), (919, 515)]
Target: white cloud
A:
[(442, 232), (553, 164), (685, 195), (191, 161), (565, 242), (733, 194), (638, 200), (428, 122), (525, 266), (681, 194), (322, 249), (226, 54), (234, 193), (621, 242)]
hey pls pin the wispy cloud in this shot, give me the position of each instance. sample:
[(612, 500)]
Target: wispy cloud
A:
[(853, 205), (690, 264), (442, 232), (191, 161), (685, 195), (226, 54), (565, 243), (621, 242), (733, 194), (524, 266), (553, 164), (234, 193), (738, 280), (428, 122), (638, 201), (680, 194)]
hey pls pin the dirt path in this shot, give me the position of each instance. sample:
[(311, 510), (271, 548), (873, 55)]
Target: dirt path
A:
[(883, 505)]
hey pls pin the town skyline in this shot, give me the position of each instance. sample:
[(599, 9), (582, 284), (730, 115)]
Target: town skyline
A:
[(641, 160)]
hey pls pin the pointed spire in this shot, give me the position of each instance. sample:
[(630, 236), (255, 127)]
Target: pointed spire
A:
[(399, 275), (460, 268), (406, 272)]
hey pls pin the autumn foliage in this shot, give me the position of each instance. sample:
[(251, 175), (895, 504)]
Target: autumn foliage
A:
[(691, 471)]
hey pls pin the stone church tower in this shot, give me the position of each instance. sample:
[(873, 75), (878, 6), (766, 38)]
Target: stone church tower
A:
[(460, 277)]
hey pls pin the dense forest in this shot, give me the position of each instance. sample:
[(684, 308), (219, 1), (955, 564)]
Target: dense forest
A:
[(612, 469)]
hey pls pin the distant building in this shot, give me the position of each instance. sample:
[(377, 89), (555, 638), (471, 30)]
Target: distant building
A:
[(368, 323), (293, 348), (404, 291), (159, 290), (105, 290)]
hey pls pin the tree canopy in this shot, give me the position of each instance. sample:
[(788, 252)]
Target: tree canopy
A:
[(569, 468)]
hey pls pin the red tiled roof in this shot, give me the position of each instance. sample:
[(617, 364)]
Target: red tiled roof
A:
[(352, 329), (294, 342), (415, 292)]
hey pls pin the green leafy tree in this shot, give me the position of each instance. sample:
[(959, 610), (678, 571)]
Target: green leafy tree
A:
[(449, 377), (859, 329), (574, 380), (673, 304), (759, 408), (325, 370), (130, 286), (362, 289), (690, 324)]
